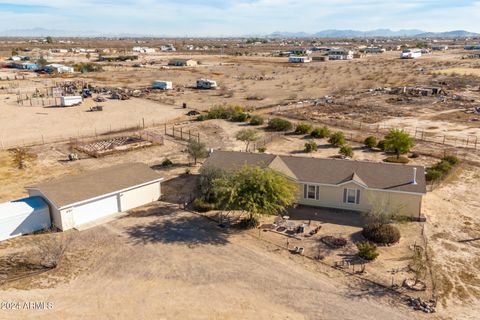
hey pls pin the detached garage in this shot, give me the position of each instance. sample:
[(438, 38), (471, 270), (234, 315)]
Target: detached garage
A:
[(22, 217), (90, 196)]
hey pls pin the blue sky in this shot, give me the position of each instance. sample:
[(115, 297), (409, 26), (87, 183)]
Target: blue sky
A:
[(240, 17)]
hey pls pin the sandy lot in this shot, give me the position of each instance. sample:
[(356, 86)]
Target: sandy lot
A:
[(20, 125), (453, 229), (167, 264)]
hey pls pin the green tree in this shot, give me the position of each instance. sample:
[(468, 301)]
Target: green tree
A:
[(49, 39), (255, 191), (303, 128), (88, 55), (247, 136), (256, 120), (370, 142), (398, 141), (310, 146), (320, 133), (197, 150), (279, 124), (346, 151), (337, 139)]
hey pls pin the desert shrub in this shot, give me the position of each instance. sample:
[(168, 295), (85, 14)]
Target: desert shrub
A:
[(381, 145), (320, 133), (310, 146), (256, 120), (219, 113), (453, 160), (167, 163), (201, 205), (239, 117), (433, 175), (346, 151), (202, 117), (278, 124), (262, 149), (397, 160), (370, 142), (367, 250), (303, 128), (337, 139), (381, 233), (85, 67), (441, 169)]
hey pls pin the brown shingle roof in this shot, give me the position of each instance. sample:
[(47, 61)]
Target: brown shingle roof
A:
[(88, 185), (376, 175)]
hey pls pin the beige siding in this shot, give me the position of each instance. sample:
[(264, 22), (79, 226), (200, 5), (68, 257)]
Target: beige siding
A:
[(332, 197)]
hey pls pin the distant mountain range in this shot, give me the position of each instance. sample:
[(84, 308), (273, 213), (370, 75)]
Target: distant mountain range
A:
[(333, 33), (42, 32)]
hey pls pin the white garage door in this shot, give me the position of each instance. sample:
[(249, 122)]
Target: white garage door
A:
[(95, 210)]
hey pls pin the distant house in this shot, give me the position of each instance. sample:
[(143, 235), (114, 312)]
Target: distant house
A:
[(340, 54), (374, 50), (439, 47), (58, 68), (169, 47), (182, 63), (58, 50), (143, 50), (339, 184), (162, 85), (300, 52), (411, 54), (206, 84), (24, 65), (472, 47), (299, 59)]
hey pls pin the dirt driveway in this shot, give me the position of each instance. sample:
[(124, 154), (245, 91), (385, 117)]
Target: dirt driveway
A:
[(168, 264)]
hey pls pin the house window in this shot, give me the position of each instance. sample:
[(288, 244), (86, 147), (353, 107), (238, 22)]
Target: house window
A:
[(311, 191), (351, 196)]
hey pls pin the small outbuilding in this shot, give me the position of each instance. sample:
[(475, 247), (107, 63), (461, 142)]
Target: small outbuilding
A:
[(69, 101), (81, 199), (162, 85), (23, 216)]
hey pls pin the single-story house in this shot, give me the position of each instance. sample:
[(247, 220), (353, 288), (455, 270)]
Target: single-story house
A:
[(339, 184), (340, 54), (182, 63), (80, 199), (58, 68)]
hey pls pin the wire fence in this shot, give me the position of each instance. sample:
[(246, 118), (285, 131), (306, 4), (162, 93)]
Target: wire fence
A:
[(456, 141), (173, 129)]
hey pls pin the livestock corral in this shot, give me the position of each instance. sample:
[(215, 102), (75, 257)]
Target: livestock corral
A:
[(117, 117)]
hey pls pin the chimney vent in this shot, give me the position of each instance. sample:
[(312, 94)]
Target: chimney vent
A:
[(414, 181)]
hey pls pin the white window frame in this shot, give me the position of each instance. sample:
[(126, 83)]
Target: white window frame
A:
[(355, 192), (306, 191)]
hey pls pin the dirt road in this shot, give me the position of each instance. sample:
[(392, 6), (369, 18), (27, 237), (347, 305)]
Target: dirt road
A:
[(168, 264)]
